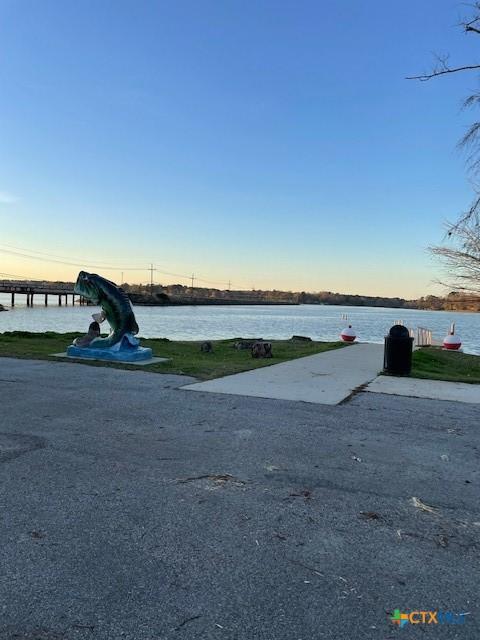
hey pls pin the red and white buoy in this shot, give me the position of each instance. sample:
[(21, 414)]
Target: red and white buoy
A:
[(451, 341), (348, 334)]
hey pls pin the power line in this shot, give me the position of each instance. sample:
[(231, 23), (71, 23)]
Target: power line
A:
[(11, 275), (37, 279), (22, 254), (76, 262), (52, 255), (68, 263)]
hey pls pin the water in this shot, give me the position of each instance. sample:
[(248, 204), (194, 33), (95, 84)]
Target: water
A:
[(320, 322)]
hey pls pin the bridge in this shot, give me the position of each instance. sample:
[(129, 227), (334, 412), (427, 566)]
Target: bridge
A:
[(30, 288)]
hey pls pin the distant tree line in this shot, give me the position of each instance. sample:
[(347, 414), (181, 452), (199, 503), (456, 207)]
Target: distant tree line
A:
[(453, 301)]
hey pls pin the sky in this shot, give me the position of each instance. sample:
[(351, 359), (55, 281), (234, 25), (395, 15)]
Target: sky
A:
[(270, 144)]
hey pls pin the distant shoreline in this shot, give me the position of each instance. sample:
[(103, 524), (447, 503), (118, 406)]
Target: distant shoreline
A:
[(215, 303), (181, 295), (337, 300), (249, 303)]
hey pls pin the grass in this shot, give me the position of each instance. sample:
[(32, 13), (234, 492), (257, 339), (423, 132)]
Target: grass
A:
[(186, 357), (436, 364)]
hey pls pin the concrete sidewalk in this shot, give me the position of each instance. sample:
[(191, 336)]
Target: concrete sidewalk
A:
[(324, 378), (433, 389)]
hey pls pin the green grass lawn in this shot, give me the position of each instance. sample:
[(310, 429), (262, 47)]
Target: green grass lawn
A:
[(186, 357), (436, 364)]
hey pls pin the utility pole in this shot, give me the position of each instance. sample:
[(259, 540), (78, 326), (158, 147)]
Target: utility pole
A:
[(121, 279), (152, 269), (192, 278), (229, 285)]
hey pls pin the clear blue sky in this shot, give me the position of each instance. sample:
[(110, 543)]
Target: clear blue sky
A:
[(275, 144)]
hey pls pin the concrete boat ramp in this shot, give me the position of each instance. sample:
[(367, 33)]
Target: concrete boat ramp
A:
[(331, 377), (324, 378)]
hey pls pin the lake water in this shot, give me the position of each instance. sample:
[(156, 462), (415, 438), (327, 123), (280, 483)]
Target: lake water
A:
[(320, 322)]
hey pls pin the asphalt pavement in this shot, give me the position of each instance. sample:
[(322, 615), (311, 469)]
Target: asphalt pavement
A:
[(133, 509)]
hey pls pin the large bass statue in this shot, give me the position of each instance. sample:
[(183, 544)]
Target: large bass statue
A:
[(121, 343)]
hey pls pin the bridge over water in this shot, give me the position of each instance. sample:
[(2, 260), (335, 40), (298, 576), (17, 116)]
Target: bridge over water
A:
[(61, 292)]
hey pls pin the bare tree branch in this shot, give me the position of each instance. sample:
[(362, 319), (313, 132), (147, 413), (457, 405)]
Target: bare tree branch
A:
[(471, 216), (471, 101), (460, 252), (468, 26), (441, 72), (461, 256)]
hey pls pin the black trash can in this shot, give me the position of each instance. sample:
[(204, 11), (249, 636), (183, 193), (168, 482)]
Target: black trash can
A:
[(397, 358)]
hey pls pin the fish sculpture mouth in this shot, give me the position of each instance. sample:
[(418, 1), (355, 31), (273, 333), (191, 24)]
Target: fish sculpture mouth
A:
[(85, 287)]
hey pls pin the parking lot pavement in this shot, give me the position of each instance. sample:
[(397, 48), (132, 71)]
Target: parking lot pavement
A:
[(134, 509)]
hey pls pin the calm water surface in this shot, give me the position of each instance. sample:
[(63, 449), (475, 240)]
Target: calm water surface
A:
[(320, 322)]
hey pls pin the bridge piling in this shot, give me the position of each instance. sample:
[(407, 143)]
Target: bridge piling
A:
[(29, 289)]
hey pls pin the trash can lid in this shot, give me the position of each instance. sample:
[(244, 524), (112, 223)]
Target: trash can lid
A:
[(399, 331)]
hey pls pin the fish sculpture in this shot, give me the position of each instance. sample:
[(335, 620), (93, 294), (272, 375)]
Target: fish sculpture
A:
[(116, 308)]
